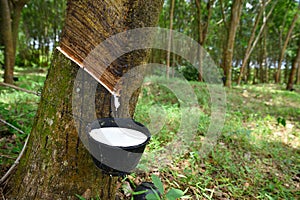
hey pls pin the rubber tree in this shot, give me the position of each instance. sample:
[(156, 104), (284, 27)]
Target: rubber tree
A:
[(228, 50), (56, 165), (284, 47), (293, 72), (10, 18), (172, 5), (203, 25), (42, 23), (298, 76), (253, 40)]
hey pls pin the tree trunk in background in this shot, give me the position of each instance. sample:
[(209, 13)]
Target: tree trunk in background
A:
[(248, 77), (287, 39), (255, 75), (56, 164), (202, 30), (223, 14), (170, 38), (247, 53), (200, 38), (173, 65), (265, 49), (298, 75), (9, 30), (286, 70), (251, 45), (293, 72), (9, 58), (236, 10), (1, 37), (261, 66), (16, 17)]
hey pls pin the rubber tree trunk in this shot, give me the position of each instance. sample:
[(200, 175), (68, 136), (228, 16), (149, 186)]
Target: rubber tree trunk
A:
[(252, 44), (236, 10), (298, 75), (200, 38), (10, 19), (172, 2), (283, 49), (1, 37), (265, 56), (9, 58), (56, 164), (293, 72), (250, 41), (202, 30)]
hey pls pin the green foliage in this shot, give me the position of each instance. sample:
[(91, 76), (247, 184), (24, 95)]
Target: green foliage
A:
[(248, 160), (80, 197), (158, 184), (153, 196), (172, 194), (254, 158), (189, 72), (17, 108), (186, 20), (40, 28), (281, 121)]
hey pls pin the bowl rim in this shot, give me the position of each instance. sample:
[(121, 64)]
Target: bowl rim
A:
[(99, 122)]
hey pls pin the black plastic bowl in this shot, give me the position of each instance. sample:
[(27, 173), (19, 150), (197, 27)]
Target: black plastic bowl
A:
[(116, 160)]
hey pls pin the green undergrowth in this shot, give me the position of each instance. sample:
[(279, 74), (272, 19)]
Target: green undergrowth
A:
[(18, 108), (256, 155)]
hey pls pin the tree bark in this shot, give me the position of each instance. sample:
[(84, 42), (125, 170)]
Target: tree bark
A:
[(298, 75), (200, 38), (251, 45), (6, 27), (247, 53), (264, 65), (287, 39), (255, 75), (236, 10), (1, 37), (170, 38), (248, 76), (261, 64), (293, 72), (265, 56), (11, 16), (286, 70), (223, 14), (202, 31), (56, 164), (16, 17)]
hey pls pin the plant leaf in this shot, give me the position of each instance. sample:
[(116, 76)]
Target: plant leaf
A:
[(152, 196), (281, 121), (139, 192), (174, 194), (157, 183), (79, 197)]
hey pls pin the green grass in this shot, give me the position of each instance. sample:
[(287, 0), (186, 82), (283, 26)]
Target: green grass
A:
[(255, 157), (18, 108)]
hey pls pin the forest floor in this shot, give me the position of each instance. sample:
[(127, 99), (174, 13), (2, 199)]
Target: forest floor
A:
[(256, 155)]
